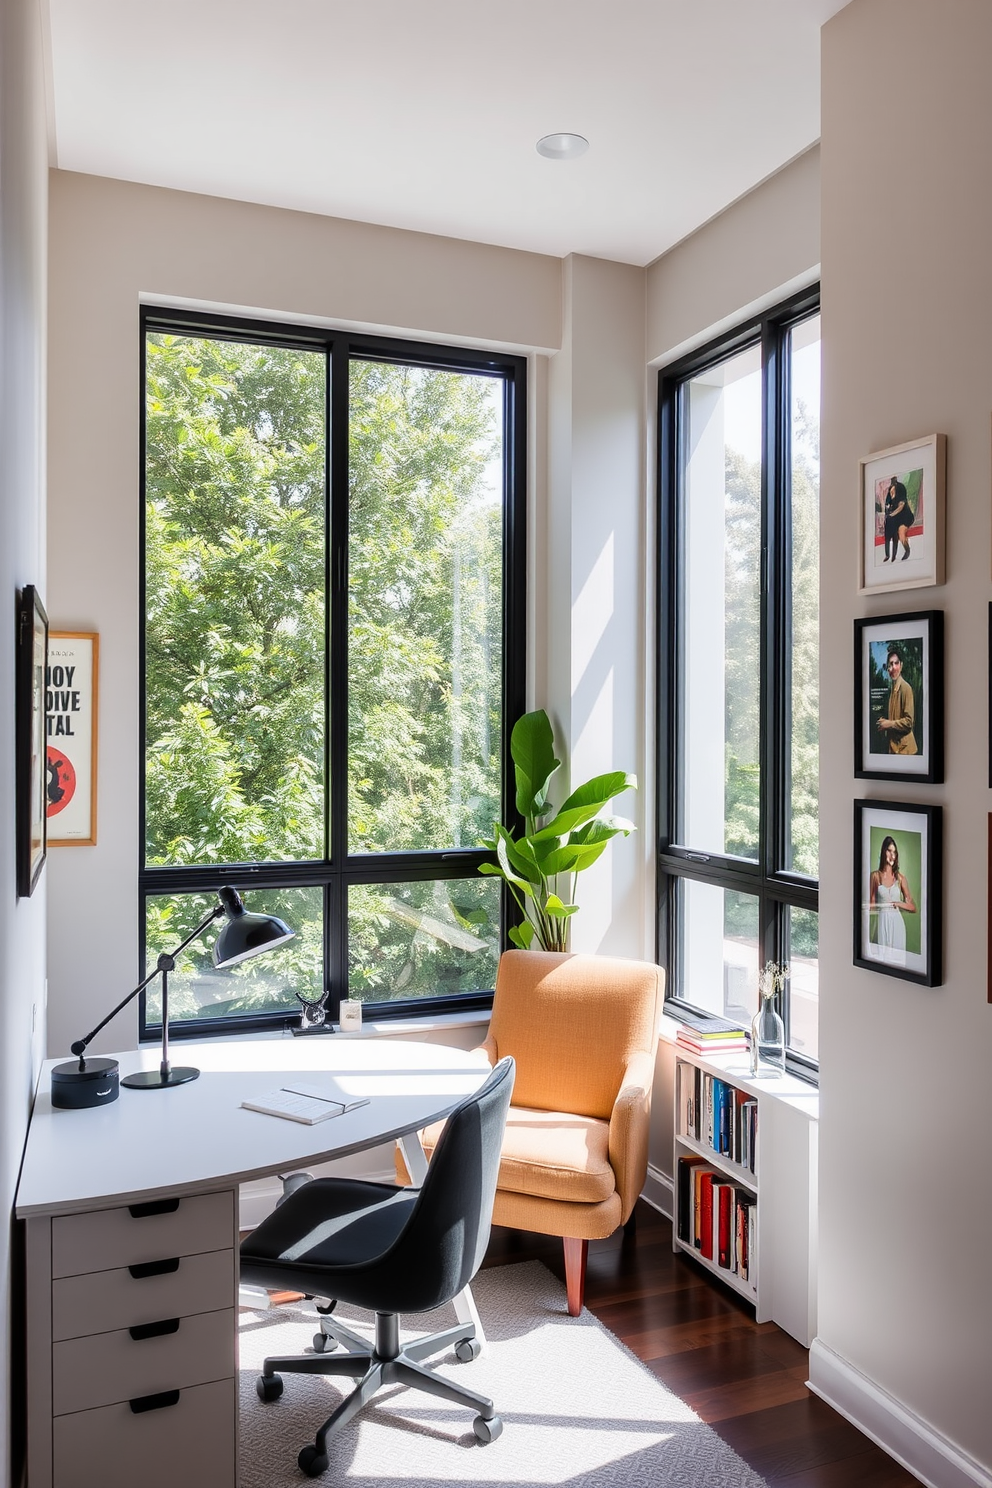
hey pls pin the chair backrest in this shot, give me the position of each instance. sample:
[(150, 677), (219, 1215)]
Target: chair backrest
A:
[(444, 1240), (572, 1023)]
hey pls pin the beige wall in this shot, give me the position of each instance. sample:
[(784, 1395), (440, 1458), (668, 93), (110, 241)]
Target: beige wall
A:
[(906, 1098), (23, 208), (755, 253)]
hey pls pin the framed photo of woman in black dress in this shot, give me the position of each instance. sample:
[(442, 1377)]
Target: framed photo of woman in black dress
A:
[(902, 516)]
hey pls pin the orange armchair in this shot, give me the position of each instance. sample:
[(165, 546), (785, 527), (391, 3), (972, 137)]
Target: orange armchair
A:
[(583, 1031)]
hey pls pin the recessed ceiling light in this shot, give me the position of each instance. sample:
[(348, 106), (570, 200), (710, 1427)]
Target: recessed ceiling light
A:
[(562, 146)]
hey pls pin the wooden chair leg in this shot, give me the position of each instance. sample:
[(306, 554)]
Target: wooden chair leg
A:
[(576, 1253)]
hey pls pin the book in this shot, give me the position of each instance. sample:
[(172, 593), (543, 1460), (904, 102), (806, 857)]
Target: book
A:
[(712, 1046), (685, 1198), (706, 1213), (707, 1027), (308, 1104), (724, 1195)]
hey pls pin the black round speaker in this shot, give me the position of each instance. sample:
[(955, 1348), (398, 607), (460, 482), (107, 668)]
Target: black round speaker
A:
[(96, 1084)]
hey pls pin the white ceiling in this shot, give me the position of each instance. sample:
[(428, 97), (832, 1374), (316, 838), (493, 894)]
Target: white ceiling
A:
[(425, 113)]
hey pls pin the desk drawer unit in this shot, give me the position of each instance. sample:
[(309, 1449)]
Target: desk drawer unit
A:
[(132, 1345)]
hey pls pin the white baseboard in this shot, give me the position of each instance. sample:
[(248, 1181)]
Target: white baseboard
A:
[(659, 1192), (913, 1442)]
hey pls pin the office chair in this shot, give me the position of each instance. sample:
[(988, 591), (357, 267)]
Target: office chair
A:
[(392, 1250)]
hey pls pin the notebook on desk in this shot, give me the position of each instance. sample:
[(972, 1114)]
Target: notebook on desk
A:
[(307, 1104)]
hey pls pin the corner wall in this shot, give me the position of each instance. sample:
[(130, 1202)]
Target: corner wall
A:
[(596, 639), (23, 211), (905, 1307)]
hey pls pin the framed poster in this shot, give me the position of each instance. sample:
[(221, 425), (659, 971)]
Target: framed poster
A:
[(902, 516), (899, 697), (71, 754), (32, 644), (897, 890)]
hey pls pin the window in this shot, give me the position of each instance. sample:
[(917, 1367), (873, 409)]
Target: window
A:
[(333, 654), (738, 678)]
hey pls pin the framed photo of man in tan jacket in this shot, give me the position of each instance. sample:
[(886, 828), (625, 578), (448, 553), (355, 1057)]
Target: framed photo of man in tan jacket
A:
[(899, 697)]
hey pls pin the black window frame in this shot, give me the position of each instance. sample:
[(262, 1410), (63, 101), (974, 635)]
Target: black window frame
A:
[(339, 870), (777, 889)]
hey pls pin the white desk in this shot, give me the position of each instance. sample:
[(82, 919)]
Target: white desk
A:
[(84, 1170)]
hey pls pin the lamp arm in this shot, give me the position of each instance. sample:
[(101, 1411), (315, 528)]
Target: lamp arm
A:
[(79, 1047)]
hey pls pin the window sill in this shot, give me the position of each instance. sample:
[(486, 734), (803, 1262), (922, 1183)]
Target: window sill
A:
[(422, 1026)]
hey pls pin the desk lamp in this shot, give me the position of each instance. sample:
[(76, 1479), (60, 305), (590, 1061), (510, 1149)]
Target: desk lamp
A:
[(95, 1082)]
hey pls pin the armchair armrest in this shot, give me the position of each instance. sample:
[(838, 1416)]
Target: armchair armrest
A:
[(488, 1047), (629, 1130)]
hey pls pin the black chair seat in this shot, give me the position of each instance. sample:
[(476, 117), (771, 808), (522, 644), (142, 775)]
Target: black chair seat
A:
[(392, 1250)]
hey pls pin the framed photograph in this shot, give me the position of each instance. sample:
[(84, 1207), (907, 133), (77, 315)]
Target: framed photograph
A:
[(902, 516), (899, 697), (897, 892), (32, 646), (71, 755)]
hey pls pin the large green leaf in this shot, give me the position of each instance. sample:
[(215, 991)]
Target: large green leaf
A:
[(522, 935), (507, 868), (572, 858), (586, 802), (554, 907), (532, 748)]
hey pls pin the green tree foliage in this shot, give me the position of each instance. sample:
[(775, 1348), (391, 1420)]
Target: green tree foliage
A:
[(236, 710), (742, 567)]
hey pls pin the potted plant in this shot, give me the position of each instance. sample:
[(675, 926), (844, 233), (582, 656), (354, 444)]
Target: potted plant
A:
[(541, 865)]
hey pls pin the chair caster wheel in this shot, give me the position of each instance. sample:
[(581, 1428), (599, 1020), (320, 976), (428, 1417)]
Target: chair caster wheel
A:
[(268, 1387), (467, 1349), (312, 1462), (487, 1431), (322, 1344)]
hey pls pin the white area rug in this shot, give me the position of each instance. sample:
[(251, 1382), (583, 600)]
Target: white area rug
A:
[(578, 1408)]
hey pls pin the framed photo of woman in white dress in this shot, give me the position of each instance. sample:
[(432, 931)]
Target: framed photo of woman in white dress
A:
[(897, 894)]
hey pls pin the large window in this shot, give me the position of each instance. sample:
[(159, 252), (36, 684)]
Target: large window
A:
[(333, 655), (738, 674)]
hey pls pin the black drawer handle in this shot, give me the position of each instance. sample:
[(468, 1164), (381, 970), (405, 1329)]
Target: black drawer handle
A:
[(154, 1330), (154, 1402), (154, 1268), (155, 1206)]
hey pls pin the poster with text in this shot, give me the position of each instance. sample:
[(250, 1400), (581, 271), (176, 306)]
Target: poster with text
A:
[(71, 708)]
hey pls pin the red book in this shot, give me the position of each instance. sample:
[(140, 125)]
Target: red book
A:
[(724, 1225), (706, 1214)]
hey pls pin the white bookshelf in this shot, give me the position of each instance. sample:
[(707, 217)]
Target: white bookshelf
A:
[(783, 1183)]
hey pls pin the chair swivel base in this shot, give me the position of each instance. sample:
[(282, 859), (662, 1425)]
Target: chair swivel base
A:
[(386, 1363)]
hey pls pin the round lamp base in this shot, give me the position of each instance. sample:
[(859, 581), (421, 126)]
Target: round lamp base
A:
[(75, 1089), (155, 1080)]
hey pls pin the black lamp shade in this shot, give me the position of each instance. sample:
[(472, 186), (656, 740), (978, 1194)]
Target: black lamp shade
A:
[(246, 934)]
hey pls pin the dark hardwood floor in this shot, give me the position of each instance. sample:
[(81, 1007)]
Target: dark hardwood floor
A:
[(746, 1379)]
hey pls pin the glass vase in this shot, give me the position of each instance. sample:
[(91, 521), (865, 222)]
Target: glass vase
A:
[(767, 1039)]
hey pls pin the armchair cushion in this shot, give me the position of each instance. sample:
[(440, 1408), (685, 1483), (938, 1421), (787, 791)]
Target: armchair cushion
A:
[(546, 1154), (555, 1155)]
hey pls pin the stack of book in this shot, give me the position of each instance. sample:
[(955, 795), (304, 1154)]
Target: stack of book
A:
[(710, 1035), (718, 1219)]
